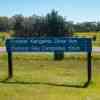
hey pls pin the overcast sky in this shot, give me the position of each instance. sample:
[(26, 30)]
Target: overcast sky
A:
[(75, 10)]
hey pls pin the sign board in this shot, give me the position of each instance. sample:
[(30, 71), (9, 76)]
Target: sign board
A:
[(49, 44)]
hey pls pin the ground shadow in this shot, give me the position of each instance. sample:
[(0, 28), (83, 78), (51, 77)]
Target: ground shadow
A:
[(7, 81)]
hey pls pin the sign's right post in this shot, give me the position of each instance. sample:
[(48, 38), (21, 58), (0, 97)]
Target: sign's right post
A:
[(89, 68)]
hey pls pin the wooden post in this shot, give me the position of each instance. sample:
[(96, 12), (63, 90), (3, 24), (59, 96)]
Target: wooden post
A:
[(89, 67), (10, 70)]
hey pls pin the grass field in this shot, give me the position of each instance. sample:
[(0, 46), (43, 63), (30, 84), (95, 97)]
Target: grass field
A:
[(3, 36), (91, 35), (38, 77)]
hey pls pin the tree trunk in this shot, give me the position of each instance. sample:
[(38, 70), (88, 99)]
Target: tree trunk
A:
[(58, 55)]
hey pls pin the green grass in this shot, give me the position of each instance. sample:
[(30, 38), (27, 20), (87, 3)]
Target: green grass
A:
[(2, 39), (32, 72), (91, 35)]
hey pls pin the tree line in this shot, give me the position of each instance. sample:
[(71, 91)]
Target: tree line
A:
[(52, 24)]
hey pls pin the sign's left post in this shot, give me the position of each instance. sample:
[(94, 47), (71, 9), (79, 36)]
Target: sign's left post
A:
[(10, 69), (10, 64)]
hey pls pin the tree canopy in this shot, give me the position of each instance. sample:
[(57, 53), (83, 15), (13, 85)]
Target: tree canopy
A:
[(51, 24)]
